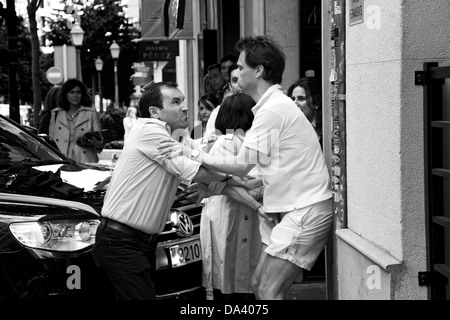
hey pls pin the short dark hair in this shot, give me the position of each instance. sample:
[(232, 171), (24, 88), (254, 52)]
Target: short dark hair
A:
[(265, 51), (229, 57), (52, 98), (67, 86), (234, 66), (152, 96), (312, 89), (235, 113)]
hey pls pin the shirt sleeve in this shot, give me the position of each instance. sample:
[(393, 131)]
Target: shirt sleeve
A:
[(264, 133), (182, 167), (211, 123), (225, 146)]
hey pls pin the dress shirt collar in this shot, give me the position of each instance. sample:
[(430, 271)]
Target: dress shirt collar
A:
[(158, 122), (265, 96)]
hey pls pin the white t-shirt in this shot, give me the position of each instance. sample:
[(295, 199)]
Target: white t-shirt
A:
[(291, 160)]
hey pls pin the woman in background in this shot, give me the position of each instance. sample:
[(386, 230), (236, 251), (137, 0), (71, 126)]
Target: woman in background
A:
[(129, 120), (72, 119), (50, 103), (229, 229), (307, 95), (206, 105)]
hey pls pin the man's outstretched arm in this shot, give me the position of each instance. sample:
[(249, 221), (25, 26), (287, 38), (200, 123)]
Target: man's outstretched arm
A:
[(238, 165)]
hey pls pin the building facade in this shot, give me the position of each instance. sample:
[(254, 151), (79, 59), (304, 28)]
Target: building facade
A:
[(382, 240), (375, 138), (369, 55)]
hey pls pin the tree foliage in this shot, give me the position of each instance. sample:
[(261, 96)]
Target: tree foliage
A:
[(102, 21), (113, 120), (24, 62), (32, 7)]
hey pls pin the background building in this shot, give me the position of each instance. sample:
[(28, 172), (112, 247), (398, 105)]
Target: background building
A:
[(386, 244), (383, 245)]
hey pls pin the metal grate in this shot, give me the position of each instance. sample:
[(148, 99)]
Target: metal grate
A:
[(437, 176)]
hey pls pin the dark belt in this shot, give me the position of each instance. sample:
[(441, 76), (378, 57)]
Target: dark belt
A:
[(129, 231)]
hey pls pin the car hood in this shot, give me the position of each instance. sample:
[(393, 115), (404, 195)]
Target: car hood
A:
[(89, 178), (89, 181)]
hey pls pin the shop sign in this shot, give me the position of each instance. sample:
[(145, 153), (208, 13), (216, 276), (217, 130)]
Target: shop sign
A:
[(158, 50)]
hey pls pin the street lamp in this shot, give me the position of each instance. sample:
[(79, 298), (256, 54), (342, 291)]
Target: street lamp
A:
[(77, 35), (99, 67), (115, 50)]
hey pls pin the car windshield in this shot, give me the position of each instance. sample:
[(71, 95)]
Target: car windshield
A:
[(18, 146)]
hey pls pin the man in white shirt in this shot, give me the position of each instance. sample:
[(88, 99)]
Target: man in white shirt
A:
[(284, 147), (141, 192)]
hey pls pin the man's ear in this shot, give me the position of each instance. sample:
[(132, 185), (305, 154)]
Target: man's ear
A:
[(259, 70), (155, 112)]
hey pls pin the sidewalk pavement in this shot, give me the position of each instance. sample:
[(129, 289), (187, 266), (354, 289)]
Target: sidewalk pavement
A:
[(315, 290)]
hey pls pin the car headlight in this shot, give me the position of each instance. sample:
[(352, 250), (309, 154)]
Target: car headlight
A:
[(56, 235)]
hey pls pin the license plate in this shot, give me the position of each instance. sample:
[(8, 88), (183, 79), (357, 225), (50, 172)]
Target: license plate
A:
[(185, 253)]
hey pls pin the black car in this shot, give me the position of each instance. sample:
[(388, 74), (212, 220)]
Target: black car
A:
[(49, 213)]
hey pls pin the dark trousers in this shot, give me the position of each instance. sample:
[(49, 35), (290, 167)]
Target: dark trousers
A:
[(128, 261)]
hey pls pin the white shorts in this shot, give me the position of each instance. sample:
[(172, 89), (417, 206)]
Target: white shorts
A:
[(301, 235)]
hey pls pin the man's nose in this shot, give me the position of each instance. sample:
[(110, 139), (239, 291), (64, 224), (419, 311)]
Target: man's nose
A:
[(184, 107)]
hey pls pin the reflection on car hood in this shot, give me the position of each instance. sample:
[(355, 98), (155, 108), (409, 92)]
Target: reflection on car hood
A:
[(89, 179), (32, 206)]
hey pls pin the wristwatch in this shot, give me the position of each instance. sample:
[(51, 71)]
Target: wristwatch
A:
[(194, 154)]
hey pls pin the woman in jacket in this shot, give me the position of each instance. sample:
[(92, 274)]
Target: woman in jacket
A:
[(229, 229), (73, 118)]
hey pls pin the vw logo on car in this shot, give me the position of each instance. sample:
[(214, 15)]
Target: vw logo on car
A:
[(182, 223)]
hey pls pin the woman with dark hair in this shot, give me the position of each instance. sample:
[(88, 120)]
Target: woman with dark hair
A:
[(229, 230), (50, 103), (307, 96), (206, 105), (72, 119)]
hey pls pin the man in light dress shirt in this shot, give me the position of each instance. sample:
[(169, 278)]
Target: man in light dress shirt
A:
[(141, 192), (285, 148)]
